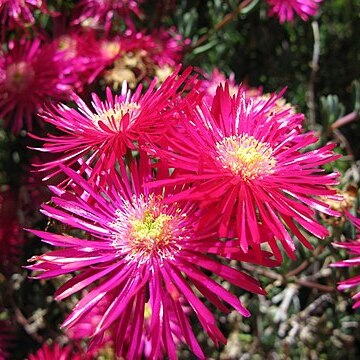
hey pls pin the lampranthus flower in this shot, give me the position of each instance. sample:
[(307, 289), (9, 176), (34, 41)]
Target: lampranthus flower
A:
[(353, 248), (87, 55), (143, 55), (6, 340), (58, 352), (145, 256), (30, 75), (84, 328), (96, 13), (286, 9), (211, 82), (107, 132), (251, 165)]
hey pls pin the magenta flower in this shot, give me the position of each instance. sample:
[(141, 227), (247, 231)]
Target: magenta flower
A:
[(113, 127), (87, 56), (285, 9), (57, 352), (145, 257), (30, 74), (353, 248), (102, 12), (19, 12), (84, 328), (212, 81), (168, 47), (162, 46), (249, 165)]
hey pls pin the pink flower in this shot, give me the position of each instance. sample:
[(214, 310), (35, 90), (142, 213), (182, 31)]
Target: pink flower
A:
[(87, 325), (87, 56), (142, 255), (212, 81), (30, 74), (353, 248), (57, 352), (102, 12), (168, 47), (144, 56), (285, 9), (19, 12), (113, 127), (249, 164)]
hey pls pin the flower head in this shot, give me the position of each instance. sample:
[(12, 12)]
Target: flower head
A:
[(11, 236), (353, 248), (146, 55), (285, 9), (58, 352), (211, 82), (87, 56), (108, 130), (102, 12), (146, 257), (249, 165), (30, 74)]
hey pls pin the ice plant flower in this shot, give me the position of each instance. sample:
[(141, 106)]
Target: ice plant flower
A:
[(87, 325), (286, 9), (30, 75), (251, 165), (145, 257), (95, 13), (108, 130), (144, 55), (353, 248), (58, 352), (216, 78)]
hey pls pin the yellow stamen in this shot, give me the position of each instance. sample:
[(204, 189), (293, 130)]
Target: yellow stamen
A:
[(151, 230), (245, 156), (147, 311), (113, 116)]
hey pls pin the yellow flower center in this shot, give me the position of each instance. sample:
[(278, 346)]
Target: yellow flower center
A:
[(112, 117), (246, 157), (146, 230), (110, 49), (151, 230), (69, 44), (147, 311)]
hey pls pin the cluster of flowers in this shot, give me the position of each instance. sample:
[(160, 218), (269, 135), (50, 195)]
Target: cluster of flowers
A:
[(158, 188), (15, 13), (168, 187), (36, 71)]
